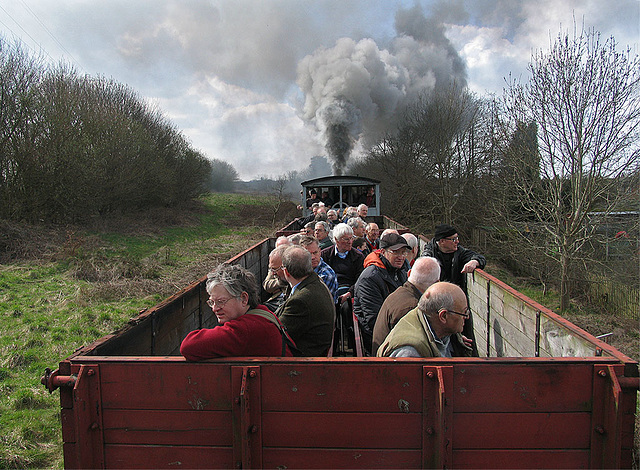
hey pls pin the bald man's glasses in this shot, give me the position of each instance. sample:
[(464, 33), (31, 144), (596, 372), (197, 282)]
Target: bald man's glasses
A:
[(465, 315)]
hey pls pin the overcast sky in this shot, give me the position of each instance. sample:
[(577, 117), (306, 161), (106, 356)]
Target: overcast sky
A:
[(259, 83)]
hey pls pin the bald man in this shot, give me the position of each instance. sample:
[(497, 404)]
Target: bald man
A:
[(433, 328)]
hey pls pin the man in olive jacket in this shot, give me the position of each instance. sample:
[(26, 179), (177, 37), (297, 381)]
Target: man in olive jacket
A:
[(308, 314), (433, 328)]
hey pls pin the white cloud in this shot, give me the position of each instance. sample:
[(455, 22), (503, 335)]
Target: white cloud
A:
[(489, 56)]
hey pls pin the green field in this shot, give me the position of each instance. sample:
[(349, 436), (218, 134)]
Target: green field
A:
[(88, 285)]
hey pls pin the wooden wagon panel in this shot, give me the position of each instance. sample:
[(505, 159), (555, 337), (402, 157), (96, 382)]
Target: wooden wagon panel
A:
[(165, 386), (184, 456), (519, 459), (387, 387), (410, 413)]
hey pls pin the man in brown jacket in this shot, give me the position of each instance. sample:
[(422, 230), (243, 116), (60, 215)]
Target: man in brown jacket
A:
[(425, 271)]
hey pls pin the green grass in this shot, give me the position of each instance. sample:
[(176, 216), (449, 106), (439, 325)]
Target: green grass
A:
[(209, 226), (93, 285)]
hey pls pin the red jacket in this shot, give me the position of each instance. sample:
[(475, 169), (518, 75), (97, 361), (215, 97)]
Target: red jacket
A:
[(249, 335)]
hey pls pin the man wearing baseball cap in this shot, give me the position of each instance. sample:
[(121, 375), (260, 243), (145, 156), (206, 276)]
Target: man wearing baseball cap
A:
[(382, 275)]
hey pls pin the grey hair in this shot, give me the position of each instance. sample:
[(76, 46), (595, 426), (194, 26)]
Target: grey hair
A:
[(306, 240), (430, 306), (354, 222), (362, 206), (324, 224), (424, 272), (297, 261), (236, 280), (411, 239), (295, 238), (277, 251), (282, 240), (341, 230)]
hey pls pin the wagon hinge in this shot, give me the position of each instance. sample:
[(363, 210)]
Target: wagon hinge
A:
[(437, 416), (616, 389), (620, 381), (53, 380), (250, 421)]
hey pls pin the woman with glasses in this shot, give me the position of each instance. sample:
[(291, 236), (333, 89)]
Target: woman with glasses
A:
[(245, 327)]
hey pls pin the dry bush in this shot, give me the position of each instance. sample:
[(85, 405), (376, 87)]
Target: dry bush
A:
[(27, 241), (262, 216), (122, 289), (150, 222), (100, 268), (626, 332)]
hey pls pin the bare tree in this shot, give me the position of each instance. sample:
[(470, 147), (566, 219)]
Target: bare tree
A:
[(279, 195), (430, 167), (583, 95), (20, 76)]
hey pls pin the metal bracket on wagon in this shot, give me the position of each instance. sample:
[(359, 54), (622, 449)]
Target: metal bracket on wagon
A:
[(53, 380)]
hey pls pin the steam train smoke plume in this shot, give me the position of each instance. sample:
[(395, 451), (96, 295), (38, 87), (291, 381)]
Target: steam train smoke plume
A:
[(356, 91), (342, 128)]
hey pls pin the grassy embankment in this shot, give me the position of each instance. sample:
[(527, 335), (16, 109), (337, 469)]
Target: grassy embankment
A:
[(65, 288)]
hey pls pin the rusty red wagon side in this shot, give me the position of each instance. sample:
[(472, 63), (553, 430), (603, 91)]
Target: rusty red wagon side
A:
[(130, 401), (142, 412)]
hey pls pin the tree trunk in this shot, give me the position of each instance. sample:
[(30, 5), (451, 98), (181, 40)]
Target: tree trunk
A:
[(564, 281)]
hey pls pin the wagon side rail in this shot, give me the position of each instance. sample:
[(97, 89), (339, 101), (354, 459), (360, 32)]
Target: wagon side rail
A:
[(347, 413)]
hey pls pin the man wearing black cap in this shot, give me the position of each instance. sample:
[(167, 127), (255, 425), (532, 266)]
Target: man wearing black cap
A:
[(382, 275), (455, 262)]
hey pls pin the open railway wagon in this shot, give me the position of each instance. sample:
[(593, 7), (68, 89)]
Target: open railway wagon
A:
[(547, 395)]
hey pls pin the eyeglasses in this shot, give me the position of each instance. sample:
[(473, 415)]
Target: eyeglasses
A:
[(465, 315), (453, 239), (275, 270), (220, 302), (345, 239)]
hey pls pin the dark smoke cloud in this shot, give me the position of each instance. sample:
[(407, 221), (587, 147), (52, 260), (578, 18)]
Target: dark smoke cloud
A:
[(341, 120), (356, 91)]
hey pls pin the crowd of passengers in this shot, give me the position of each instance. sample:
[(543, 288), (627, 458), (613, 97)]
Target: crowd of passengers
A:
[(406, 303)]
